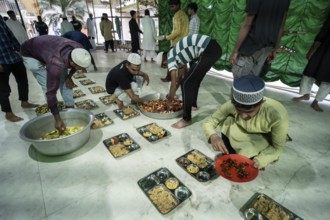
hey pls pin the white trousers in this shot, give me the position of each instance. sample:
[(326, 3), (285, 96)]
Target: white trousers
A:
[(306, 87), (136, 86)]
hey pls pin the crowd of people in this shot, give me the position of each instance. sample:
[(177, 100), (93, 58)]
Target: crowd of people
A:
[(251, 124)]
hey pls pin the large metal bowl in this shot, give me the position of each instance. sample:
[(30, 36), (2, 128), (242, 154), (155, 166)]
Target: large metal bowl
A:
[(38, 127), (158, 115)]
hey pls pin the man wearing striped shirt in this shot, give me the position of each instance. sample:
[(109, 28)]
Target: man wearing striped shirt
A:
[(202, 52), (194, 22)]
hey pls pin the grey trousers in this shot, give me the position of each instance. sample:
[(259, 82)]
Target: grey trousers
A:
[(306, 87)]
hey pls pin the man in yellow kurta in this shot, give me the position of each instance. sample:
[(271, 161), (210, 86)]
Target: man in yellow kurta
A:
[(106, 28), (250, 124)]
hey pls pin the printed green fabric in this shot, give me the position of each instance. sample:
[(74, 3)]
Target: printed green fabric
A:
[(221, 19)]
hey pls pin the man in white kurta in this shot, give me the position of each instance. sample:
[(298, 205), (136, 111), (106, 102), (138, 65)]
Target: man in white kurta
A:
[(91, 27), (16, 27), (149, 34)]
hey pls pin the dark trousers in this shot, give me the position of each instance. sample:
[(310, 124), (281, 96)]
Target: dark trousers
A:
[(107, 43), (192, 80), (19, 72), (135, 43)]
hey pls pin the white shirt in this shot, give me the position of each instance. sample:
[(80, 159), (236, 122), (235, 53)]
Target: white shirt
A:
[(91, 25)]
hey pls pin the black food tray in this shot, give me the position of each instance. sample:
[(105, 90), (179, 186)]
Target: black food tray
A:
[(255, 212), (121, 113), (201, 171), (164, 190), (121, 145), (101, 120), (152, 135)]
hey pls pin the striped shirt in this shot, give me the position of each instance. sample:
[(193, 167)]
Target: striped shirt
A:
[(8, 45), (186, 50), (194, 24)]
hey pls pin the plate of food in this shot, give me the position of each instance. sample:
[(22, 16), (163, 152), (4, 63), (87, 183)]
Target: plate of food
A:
[(121, 145), (164, 190), (126, 112), (79, 76), (153, 132), (43, 109), (86, 104), (198, 165), (87, 82), (108, 99), (101, 120), (78, 93), (96, 89), (236, 168), (157, 107)]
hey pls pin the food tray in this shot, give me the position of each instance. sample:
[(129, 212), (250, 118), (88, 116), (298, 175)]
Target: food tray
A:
[(96, 89), (153, 132), (164, 190), (86, 104), (79, 76), (78, 93), (108, 99), (121, 145), (126, 112), (43, 109), (250, 211), (75, 86), (198, 165), (101, 120), (157, 115), (86, 82)]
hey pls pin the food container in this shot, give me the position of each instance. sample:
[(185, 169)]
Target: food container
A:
[(126, 112), (38, 127), (96, 89), (157, 115), (108, 99), (87, 82), (78, 93), (198, 165), (101, 120), (87, 104), (260, 206), (164, 190), (43, 109), (79, 76), (153, 132), (121, 145)]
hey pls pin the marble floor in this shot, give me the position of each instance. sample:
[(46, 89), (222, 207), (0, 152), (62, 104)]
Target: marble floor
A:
[(91, 184)]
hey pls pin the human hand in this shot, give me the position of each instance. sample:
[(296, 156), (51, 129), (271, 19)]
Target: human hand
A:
[(218, 144), (233, 57), (271, 57), (60, 126), (69, 83), (146, 79)]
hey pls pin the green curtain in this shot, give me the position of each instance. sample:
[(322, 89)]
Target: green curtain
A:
[(221, 19)]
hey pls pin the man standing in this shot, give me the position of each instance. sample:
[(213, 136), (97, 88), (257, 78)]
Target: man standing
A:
[(66, 26), (259, 36), (125, 79), (148, 43), (76, 24), (41, 26), (91, 27), (134, 30), (180, 28), (11, 62), (16, 27), (194, 22), (49, 58), (201, 52), (106, 27)]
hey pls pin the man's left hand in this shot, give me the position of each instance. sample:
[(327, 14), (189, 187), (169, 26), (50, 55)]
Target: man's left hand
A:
[(146, 78), (69, 83)]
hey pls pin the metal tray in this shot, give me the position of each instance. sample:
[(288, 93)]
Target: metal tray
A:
[(101, 120), (249, 212), (121, 113), (158, 115), (43, 109), (108, 99), (143, 130), (206, 171), (96, 89), (87, 104), (78, 93), (127, 143), (79, 76), (159, 181), (87, 82)]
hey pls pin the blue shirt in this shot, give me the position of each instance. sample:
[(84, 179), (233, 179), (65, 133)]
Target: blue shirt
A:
[(8, 45), (79, 37)]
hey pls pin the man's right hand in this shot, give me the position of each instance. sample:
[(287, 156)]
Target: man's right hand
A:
[(59, 124), (218, 144)]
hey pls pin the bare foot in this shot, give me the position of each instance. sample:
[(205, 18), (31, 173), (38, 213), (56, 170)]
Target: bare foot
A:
[(194, 109), (12, 117), (304, 97), (181, 124), (316, 106), (26, 104)]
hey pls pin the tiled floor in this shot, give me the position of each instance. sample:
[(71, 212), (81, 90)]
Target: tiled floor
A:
[(91, 184)]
